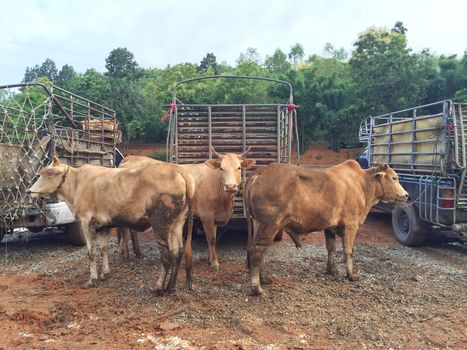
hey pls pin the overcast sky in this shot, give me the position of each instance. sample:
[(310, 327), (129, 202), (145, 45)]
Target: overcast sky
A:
[(83, 32)]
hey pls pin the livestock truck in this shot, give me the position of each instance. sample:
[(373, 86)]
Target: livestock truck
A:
[(268, 128), (38, 122), (426, 146)]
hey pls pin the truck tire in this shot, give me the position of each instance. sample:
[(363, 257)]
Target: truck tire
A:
[(36, 229), (3, 232), (407, 226), (75, 233)]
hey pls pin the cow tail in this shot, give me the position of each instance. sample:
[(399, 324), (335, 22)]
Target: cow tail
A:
[(190, 192), (249, 219)]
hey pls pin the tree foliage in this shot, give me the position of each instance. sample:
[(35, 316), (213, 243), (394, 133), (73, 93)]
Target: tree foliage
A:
[(120, 63), (334, 93), (209, 62)]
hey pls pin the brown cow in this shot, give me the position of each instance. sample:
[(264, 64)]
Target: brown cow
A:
[(217, 181), (300, 200), (159, 195)]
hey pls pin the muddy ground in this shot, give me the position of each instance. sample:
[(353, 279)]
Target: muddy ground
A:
[(406, 298)]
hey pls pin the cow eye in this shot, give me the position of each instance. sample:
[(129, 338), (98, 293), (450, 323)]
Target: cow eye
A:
[(222, 169), (239, 168), (394, 178)]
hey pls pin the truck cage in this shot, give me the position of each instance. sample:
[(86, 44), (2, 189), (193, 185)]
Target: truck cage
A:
[(195, 128), (37, 122), (426, 145)]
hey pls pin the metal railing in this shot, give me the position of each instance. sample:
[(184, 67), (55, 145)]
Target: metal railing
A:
[(38, 121), (195, 128)]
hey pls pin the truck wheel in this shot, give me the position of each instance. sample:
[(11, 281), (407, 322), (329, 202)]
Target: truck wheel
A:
[(407, 226), (75, 233), (3, 232)]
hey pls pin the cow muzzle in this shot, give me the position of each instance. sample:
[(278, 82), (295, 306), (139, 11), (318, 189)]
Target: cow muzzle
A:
[(396, 200), (404, 198), (32, 194), (230, 188)]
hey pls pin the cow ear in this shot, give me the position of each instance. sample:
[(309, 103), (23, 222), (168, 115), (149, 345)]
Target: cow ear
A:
[(49, 172), (56, 161), (248, 163), (213, 163), (379, 175), (382, 166)]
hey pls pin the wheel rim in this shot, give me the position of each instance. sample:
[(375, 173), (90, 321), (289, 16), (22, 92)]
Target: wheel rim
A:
[(403, 224)]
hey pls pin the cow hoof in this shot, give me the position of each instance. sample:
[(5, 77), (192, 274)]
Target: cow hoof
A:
[(256, 291), (158, 292), (332, 271), (91, 283), (265, 280), (353, 278), (188, 285), (215, 265), (169, 291)]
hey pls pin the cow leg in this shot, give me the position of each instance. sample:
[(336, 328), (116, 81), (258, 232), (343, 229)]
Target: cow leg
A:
[(104, 237), (135, 242), (176, 250), (253, 225), (90, 236), (189, 255), (331, 247), (161, 234), (122, 234), (210, 230), (261, 241), (165, 267), (175, 260), (348, 241)]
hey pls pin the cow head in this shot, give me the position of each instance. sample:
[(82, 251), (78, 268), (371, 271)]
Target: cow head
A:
[(389, 186), (50, 179), (230, 166)]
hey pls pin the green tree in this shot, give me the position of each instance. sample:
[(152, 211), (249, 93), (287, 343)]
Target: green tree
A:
[(66, 74), (277, 63), (208, 62), (47, 69), (120, 63), (331, 51), (399, 28), (31, 74), (296, 53), (384, 72), (250, 54)]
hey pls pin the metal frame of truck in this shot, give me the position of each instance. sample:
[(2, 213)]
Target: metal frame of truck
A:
[(268, 128), (37, 122), (426, 145)]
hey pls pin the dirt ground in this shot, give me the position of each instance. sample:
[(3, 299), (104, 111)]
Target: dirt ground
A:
[(316, 154), (406, 298)]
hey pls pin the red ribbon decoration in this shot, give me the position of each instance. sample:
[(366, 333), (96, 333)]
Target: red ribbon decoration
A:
[(171, 108), (291, 107)]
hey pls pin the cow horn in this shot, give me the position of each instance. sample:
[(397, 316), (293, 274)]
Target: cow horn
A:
[(214, 152), (246, 152)]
